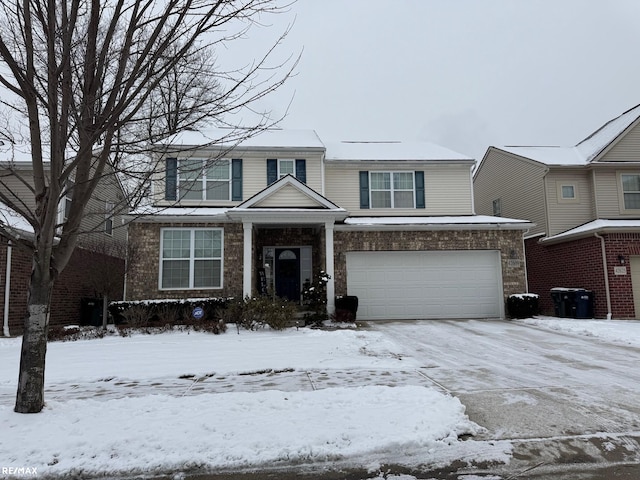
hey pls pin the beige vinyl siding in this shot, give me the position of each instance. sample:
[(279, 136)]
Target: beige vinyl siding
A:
[(254, 175), (565, 214), (288, 197), (517, 182), (627, 149), (609, 191), (447, 189)]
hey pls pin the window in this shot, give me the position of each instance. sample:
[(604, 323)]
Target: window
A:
[(108, 218), (392, 190), (497, 207), (286, 167), (568, 192), (202, 180), (631, 191), (191, 258), (65, 204)]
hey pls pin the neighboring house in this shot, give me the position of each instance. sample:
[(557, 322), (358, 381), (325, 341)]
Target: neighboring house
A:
[(391, 223), (96, 268), (585, 204)]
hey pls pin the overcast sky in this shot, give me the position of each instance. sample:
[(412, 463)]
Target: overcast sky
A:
[(465, 74)]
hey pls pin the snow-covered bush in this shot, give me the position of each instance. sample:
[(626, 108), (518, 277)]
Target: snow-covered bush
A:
[(314, 297), (523, 305), (252, 313)]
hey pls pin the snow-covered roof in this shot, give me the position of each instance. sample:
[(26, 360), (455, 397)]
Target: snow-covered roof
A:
[(381, 151), (586, 150), (237, 138), (459, 221), (149, 210), (595, 226)]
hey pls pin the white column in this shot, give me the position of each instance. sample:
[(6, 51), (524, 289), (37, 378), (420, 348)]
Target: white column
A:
[(331, 287), (247, 260)]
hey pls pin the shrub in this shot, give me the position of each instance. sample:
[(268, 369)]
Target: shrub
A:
[(253, 313), (169, 314), (522, 305), (314, 296)]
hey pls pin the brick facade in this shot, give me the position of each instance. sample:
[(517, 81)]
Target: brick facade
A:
[(508, 242), (86, 276), (578, 264), (143, 273)]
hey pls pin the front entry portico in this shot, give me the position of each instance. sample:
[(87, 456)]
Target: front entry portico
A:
[(314, 223)]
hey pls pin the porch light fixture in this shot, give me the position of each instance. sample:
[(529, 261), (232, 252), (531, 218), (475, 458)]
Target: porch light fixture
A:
[(621, 259)]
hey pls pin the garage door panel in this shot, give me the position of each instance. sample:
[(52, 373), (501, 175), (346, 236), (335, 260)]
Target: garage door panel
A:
[(426, 284)]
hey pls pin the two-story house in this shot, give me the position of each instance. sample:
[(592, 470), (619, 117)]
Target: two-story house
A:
[(96, 267), (585, 203), (391, 223)]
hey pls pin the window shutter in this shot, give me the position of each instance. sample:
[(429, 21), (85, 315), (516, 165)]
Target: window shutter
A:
[(272, 170), (301, 170), (364, 189), (171, 179), (236, 179), (419, 179)]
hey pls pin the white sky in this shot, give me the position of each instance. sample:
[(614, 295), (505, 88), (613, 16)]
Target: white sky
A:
[(465, 74)]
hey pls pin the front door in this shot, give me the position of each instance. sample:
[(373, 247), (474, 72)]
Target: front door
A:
[(287, 273)]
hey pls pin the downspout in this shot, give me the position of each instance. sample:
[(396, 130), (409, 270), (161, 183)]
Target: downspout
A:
[(7, 292), (606, 274)]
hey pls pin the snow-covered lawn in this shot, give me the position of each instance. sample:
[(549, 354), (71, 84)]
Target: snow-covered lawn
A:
[(625, 332), (194, 401)]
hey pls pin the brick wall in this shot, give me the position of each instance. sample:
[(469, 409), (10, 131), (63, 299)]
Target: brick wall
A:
[(508, 242), (87, 275), (578, 264), (144, 262)]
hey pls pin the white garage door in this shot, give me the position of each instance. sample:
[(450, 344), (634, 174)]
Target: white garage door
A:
[(434, 284)]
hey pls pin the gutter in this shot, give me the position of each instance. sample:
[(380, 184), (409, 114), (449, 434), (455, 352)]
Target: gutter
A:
[(606, 274), (7, 292)]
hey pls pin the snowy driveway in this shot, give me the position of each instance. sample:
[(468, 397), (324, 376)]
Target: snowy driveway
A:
[(562, 399)]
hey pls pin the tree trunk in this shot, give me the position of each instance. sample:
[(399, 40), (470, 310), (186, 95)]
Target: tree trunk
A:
[(105, 311), (30, 396)]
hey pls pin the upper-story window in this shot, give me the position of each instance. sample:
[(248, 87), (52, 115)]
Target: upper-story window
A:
[(278, 168), (64, 208), (392, 190), (202, 180), (631, 191), (497, 207), (109, 209)]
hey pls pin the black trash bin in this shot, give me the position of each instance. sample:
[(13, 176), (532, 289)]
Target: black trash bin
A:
[(346, 308), (91, 312), (583, 300), (561, 302)]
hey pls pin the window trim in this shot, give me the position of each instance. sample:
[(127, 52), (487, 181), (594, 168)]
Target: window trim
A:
[(621, 192), (191, 259), (392, 190), (203, 180), (279, 175), (560, 190), (109, 215), (497, 212)]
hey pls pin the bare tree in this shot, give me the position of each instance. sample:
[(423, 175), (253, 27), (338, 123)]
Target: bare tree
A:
[(86, 76)]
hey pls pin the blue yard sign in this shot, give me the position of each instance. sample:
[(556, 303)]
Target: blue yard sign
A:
[(198, 313)]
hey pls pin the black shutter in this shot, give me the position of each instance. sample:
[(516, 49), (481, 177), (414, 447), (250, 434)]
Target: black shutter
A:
[(364, 189), (272, 170), (171, 179), (301, 170), (419, 176), (236, 179)]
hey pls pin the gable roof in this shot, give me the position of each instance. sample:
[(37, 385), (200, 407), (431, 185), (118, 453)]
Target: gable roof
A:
[(587, 150), (394, 151), (285, 182)]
